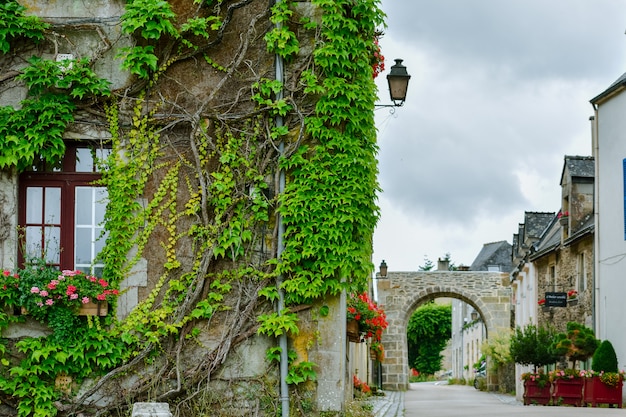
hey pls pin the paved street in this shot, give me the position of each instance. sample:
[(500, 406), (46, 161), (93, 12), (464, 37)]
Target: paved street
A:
[(442, 400)]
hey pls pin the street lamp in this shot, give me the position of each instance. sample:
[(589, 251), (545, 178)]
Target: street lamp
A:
[(398, 80), (383, 269)]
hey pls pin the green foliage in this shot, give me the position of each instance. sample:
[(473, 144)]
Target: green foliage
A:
[(531, 345), (301, 372), (92, 352), (280, 39), (14, 25), (578, 343), (328, 207), (428, 331), (34, 130), (275, 324), (498, 348), (150, 18), (604, 358)]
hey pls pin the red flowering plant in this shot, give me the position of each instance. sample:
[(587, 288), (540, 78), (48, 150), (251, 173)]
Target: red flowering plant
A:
[(361, 386), (378, 59), (563, 214), (542, 302), (572, 294), (540, 378), (44, 288), (371, 318)]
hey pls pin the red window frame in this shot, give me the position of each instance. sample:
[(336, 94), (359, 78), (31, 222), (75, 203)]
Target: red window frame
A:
[(67, 179)]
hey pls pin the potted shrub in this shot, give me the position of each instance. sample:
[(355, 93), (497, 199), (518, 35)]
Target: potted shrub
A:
[(603, 384), (577, 344), (531, 346)]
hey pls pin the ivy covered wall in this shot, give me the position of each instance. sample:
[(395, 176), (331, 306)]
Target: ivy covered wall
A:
[(185, 94)]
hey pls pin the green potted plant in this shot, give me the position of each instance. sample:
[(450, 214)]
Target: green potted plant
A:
[(603, 384), (531, 346), (578, 343)]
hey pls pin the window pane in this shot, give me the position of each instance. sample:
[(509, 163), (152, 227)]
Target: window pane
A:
[(34, 204), (84, 205), (101, 200), (33, 237), (52, 241), (82, 253), (84, 160), (53, 206)]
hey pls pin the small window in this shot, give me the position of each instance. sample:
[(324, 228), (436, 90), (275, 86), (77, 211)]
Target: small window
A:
[(581, 276), (61, 211)]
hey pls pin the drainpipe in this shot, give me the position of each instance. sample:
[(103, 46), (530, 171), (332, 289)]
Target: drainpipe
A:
[(595, 277), (282, 339)]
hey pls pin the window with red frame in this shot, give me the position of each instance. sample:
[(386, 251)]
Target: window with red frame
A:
[(61, 210)]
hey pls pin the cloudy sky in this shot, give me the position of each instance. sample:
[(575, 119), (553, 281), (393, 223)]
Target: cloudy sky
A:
[(499, 94)]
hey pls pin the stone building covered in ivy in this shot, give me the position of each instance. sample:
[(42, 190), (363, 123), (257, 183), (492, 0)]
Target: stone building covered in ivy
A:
[(176, 150)]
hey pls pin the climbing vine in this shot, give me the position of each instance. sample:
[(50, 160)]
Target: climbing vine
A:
[(192, 182)]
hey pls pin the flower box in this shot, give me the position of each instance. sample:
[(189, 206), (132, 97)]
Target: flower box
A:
[(568, 391), (597, 392), (534, 394), (100, 308)]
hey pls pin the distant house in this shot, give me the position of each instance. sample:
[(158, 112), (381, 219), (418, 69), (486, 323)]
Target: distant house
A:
[(554, 254), (609, 148), (494, 257)]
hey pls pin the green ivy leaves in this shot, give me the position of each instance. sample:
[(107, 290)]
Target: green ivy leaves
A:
[(14, 25)]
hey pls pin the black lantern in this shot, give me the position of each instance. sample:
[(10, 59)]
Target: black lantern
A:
[(383, 269), (398, 80)]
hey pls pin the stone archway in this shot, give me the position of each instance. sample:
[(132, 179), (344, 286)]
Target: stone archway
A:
[(400, 293)]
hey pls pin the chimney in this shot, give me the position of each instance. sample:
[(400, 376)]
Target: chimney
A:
[(443, 264)]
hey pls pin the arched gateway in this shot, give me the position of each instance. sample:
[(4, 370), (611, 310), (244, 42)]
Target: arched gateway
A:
[(400, 293)]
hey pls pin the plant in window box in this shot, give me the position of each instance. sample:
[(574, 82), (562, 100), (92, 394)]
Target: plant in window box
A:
[(572, 295), (55, 297)]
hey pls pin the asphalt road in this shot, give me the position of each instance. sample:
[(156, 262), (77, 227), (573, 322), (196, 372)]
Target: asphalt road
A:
[(442, 400)]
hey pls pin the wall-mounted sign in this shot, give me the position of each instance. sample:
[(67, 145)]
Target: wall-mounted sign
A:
[(556, 299)]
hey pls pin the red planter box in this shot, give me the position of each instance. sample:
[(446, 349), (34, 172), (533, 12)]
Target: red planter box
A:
[(597, 392), (568, 391), (533, 394)]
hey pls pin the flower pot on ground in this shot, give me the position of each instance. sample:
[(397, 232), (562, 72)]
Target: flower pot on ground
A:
[(537, 388), (531, 346), (568, 391), (603, 384), (598, 392)]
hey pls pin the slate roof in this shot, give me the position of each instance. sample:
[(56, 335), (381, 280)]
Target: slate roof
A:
[(535, 223), (619, 83), (550, 240), (495, 253), (579, 166)]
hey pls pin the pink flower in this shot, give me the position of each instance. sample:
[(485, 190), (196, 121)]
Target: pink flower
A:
[(6, 273), (70, 290), (53, 284), (43, 293), (34, 290), (49, 301), (85, 300), (101, 297), (73, 296), (40, 304), (103, 283)]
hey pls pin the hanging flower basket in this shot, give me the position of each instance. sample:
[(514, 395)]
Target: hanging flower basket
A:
[(354, 335)]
